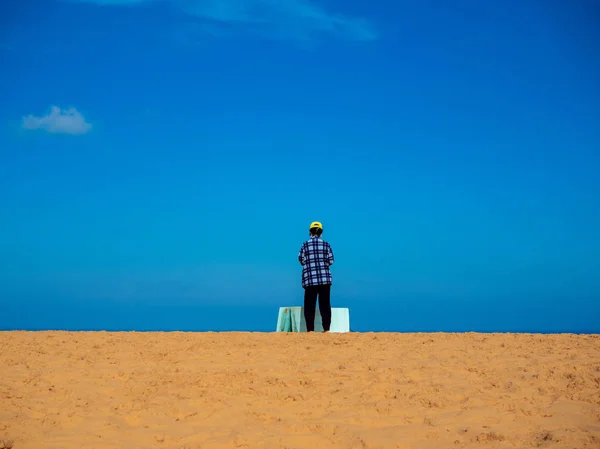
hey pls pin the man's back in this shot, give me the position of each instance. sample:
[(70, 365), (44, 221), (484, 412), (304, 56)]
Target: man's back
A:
[(316, 256)]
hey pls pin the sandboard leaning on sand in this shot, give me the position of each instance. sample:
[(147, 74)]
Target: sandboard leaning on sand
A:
[(291, 319)]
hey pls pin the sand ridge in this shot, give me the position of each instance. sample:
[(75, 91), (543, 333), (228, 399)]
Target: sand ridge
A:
[(294, 391)]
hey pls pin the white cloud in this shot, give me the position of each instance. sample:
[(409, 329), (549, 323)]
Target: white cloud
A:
[(59, 121), (280, 18), (295, 19)]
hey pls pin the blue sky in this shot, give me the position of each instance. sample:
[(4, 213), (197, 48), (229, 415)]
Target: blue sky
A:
[(160, 162)]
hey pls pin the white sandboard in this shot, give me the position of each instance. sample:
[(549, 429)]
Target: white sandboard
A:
[(291, 319)]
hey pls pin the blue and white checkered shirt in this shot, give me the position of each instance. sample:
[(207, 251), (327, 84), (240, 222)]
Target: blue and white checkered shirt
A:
[(315, 257)]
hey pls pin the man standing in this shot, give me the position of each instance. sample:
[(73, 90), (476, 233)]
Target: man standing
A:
[(316, 257)]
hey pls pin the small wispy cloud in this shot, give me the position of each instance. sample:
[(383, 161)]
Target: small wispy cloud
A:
[(58, 121), (292, 19)]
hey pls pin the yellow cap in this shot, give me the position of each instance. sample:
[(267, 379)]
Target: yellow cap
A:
[(316, 224)]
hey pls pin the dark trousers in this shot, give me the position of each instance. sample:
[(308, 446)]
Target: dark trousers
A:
[(310, 303)]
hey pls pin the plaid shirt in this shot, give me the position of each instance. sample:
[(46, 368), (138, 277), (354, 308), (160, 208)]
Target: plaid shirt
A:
[(315, 257)]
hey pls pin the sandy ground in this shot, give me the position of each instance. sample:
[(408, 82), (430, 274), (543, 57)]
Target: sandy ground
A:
[(294, 391)]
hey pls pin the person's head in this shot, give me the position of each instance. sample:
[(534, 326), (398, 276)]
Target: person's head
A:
[(316, 229)]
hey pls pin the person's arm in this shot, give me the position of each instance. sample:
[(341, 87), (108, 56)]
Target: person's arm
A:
[(301, 255), (330, 257)]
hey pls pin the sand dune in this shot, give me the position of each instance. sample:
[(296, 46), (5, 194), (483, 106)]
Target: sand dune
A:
[(295, 391)]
